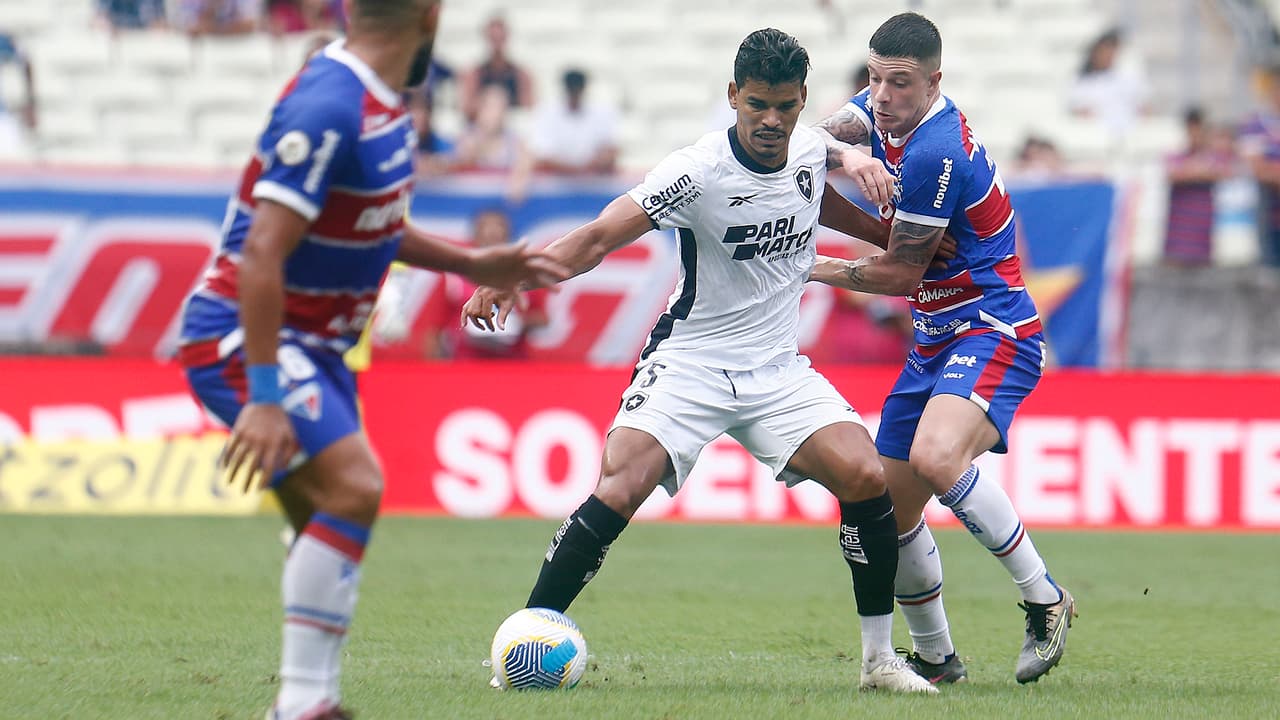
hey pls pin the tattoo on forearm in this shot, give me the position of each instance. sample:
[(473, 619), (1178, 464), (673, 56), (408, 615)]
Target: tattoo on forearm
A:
[(845, 129), (914, 244), (856, 271)]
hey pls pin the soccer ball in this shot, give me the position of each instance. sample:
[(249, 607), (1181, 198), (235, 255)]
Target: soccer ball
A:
[(538, 648)]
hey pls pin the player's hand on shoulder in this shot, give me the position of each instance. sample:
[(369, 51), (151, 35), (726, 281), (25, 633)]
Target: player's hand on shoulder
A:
[(869, 174), (261, 444), (488, 307), (507, 266)]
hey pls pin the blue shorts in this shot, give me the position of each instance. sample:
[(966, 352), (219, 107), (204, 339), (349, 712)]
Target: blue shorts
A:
[(992, 369), (319, 396)]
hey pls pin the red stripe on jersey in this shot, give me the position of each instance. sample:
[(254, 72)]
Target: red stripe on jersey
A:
[(234, 375), (1026, 330), (966, 135), (328, 315), (993, 373), (248, 179), (362, 218), (892, 155), (198, 354), (375, 115), (1010, 271), (991, 214), (293, 83), (935, 295), (223, 278)]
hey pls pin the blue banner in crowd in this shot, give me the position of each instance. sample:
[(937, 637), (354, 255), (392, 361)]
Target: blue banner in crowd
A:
[(66, 241)]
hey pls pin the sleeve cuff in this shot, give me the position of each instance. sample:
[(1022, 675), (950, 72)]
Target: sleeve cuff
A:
[(921, 219), (290, 198), (861, 115)]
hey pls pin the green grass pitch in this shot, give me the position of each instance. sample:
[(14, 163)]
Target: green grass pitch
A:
[(179, 618)]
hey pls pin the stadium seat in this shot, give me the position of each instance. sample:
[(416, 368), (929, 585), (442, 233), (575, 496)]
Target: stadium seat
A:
[(236, 55), (131, 127), (229, 132), (156, 52), (27, 17), (117, 88), (70, 50)]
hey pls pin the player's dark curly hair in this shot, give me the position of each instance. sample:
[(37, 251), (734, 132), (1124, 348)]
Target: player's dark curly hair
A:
[(772, 57), (909, 35)]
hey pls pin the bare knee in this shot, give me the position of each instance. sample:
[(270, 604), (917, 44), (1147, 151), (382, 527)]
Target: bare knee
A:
[(856, 478), (356, 497), (624, 488), (937, 461)]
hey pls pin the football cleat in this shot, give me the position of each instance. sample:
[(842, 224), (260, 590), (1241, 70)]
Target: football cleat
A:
[(894, 675), (1046, 636), (950, 670)]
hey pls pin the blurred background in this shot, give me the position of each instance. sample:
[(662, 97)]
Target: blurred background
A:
[(1139, 139)]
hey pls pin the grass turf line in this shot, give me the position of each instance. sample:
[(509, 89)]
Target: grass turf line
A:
[(169, 617)]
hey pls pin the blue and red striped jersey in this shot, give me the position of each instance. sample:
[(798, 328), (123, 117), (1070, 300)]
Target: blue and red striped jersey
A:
[(337, 150), (946, 179)]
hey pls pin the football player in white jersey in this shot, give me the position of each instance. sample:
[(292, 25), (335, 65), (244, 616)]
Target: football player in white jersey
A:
[(723, 358)]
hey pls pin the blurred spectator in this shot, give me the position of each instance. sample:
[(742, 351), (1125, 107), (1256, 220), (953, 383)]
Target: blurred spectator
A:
[(1260, 145), (1038, 159), (296, 16), (490, 227), (865, 329), (131, 14), (495, 70), (1193, 175), (14, 128), (859, 79), (1105, 89), (572, 137), (217, 17), (435, 152), (489, 142)]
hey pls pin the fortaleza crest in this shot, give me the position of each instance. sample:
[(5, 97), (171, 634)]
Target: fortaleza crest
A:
[(804, 183)]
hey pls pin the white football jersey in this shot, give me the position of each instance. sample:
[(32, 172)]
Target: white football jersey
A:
[(746, 241)]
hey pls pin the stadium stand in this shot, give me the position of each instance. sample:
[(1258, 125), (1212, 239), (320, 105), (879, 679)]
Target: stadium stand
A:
[(662, 63)]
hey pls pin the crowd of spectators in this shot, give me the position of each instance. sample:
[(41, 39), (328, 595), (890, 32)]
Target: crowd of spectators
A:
[(222, 17), (499, 126)]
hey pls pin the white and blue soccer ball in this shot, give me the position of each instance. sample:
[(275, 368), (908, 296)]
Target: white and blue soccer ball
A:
[(538, 648)]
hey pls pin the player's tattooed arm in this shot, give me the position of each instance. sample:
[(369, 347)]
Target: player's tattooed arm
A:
[(897, 271), (843, 130)]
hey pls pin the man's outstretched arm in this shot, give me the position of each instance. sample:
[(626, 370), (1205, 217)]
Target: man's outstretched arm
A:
[(579, 250), (897, 271)]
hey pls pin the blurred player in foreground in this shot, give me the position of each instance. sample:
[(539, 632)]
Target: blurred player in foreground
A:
[(723, 358), (317, 219), (979, 346)]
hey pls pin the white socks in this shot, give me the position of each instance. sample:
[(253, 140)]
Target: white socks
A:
[(918, 589), (877, 638), (321, 576), (984, 508)]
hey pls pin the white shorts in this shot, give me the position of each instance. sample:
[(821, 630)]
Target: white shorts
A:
[(770, 410)]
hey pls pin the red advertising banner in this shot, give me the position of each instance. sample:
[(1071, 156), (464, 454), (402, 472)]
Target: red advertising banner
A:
[(483, 440)]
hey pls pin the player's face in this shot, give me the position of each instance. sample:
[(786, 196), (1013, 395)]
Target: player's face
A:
[(766, 116), (902, 90)]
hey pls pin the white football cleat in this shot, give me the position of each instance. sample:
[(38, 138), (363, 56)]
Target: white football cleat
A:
[(893, 674)]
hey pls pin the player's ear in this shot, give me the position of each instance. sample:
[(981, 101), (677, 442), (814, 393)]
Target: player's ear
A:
[(935, 78), (733, 95), (804, 95)]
